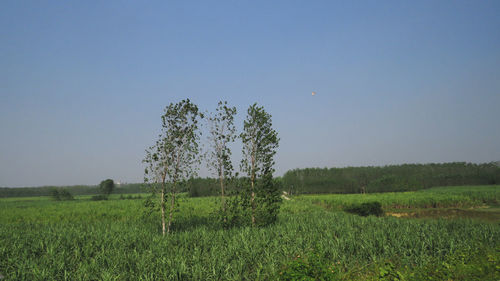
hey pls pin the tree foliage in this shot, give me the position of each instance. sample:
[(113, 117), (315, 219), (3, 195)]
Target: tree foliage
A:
[(60, 194), (260, 142), (222, 133), (170, 162), (106, 187), (391, 178)]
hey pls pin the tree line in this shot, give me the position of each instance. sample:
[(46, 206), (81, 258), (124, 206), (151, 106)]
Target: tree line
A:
[(406, 177), (74, 190), (314, 180)]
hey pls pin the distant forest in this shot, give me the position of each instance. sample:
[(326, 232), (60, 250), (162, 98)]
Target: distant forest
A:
[(74, 190), (392, 178), (407, 177)]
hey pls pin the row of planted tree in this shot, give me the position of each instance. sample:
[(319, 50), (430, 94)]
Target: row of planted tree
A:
[(391, 178), (175, 156)]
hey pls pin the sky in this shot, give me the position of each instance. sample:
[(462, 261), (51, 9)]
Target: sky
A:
[(83, 83)]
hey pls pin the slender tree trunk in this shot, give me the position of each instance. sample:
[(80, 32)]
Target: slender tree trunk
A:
[(252, 201), (162, 204), (172, 205), (223, 200), (252, 181)]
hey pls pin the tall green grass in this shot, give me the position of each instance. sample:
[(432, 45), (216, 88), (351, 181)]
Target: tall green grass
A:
[(117, 240), (462, 196)]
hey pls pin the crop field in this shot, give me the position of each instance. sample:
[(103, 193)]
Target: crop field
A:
[(440, 197), (118, 239)]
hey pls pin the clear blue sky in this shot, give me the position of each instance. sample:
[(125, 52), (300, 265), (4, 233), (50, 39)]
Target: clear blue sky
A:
[(83, 83)]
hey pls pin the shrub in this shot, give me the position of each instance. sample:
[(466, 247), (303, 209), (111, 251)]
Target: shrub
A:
[(54, 193), (65, 195), (60, 194), (366, 209), (106, 187)]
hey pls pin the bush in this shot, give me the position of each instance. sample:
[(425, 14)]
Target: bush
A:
[(106, 187), (366, 209), (54, 193), (65, 195), (61, 194)]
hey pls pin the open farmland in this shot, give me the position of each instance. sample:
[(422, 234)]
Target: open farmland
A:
[(118, 240), (441, 197)]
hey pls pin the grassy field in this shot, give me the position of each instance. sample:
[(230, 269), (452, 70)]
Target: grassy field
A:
[(440, 197), (117, 240)]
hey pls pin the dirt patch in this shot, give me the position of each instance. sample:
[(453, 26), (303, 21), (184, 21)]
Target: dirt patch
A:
[(490, 215), (398, 215)]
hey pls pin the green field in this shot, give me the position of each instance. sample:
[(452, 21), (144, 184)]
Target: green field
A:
[(440, 197), (118, 240)]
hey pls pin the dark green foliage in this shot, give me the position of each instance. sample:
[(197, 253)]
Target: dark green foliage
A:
[(268, 200), (238, 212), (99, 197), (54, 193), (260, 142), (106, 187), (201, 187), (366, 209), (60, 194), (130, 197), (75, 190), (407, 177)]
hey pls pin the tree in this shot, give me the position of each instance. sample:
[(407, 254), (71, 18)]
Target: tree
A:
[(170, 161), (54, 193), (260, 142), (59, 194), (222, 132), (106, 187)]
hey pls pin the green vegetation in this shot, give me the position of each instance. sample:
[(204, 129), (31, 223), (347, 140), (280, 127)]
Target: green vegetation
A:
[(59, 194), (169, 162), (222, 132), (119, 240), (260, 196), (75, 190), (395, 178), (105, 188), (442, 197), (411, 177), (366, 209)]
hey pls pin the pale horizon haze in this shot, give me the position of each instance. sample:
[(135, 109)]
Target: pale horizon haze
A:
[(83, 84)]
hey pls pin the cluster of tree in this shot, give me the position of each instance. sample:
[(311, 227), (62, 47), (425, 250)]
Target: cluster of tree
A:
[(201, 187), (172, 162), (405, 177), (106, 187), (60, 194), (75, 190)]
